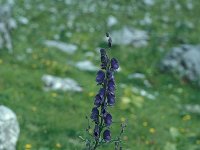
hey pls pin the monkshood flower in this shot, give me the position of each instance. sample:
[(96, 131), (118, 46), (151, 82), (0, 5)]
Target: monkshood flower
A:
[(100, 77), (104, 99), (106, 135)]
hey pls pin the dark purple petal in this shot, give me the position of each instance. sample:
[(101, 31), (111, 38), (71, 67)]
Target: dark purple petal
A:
[(109, 74), (102, 51), (95, 115), (96, 132), (108, 119), (111, 99), (98, 100), (111, 85), (107, 135), (114, 64), (103, 111), (102, 93), (100, 77)]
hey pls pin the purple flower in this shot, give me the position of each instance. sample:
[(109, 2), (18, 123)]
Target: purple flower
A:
[(96, 132), (95, 115), (110, 99), (98, 100), (109, 74), (104, 58), (102, 93), (103, 51), (100, 77), (114, 64), (111, 85), (107, 135), (108, 119), (103, 111)]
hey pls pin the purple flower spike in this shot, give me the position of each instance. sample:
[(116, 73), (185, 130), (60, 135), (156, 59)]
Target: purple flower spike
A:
[(111, 99), (108, 119), (96, 131), (95, 115), (100, 77), (114, 64), (107, 135)]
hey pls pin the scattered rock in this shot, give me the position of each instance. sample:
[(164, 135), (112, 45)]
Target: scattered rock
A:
[(149, 2), (141, 77), (9, 129), (111, 21), (144, 93), (86, 66), (130, 36), (7, 23), (57, 83), (183, 60), (67, 48), (192, 108), (147, 20), (136, 76), (23, 20)]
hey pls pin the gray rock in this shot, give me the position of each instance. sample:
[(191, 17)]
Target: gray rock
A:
[(7, 23), (112, 21), (192, 108), (86, 66), (130, 36), (67, 48), (9, 129), (57, 83), (184, 60)]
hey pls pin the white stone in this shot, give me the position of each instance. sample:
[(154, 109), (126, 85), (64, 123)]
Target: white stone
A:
[(57, 83), (130, 36), (183, 60), (149, 2), (9, 129), (86, 65), (67, 48), (111, 21)]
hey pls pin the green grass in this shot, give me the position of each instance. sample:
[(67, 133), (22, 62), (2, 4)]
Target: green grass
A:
[(54, 120)]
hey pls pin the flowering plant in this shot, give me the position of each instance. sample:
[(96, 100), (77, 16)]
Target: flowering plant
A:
[(105, 98)]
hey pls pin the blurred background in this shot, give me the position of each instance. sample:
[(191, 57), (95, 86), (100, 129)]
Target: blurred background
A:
[(49, 55)]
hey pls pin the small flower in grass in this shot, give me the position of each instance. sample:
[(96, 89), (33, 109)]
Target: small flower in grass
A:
[(152, 130), (100, 77), (114, 64), (28, 146), (107, 135), (108, 119), (58, 145)]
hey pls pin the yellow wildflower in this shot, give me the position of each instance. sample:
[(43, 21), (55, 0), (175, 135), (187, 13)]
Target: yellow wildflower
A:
[(58, 145), (123, 119), (186, 118), (28, 146), (1, 61), (152, 130), (54, 94), (91, 94)]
